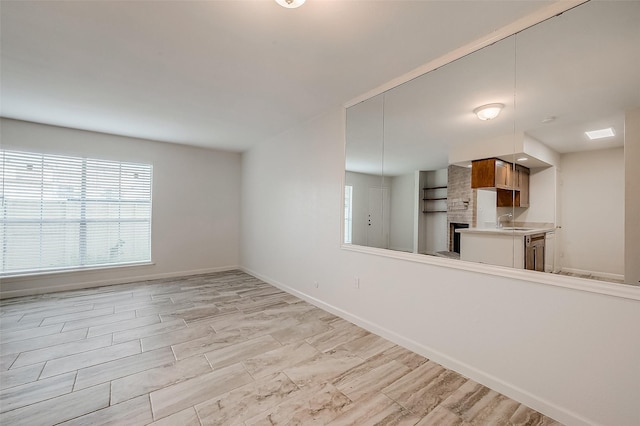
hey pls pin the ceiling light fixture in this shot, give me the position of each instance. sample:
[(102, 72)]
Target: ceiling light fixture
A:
[(522, 159), (601, 133), (489, 111), (290, 4)]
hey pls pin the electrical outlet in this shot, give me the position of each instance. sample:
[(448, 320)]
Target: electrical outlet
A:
[(316, 284), (356, 282)]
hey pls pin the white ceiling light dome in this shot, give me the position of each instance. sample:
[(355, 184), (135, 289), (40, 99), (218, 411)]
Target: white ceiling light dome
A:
[(489, 111), (290, 4)]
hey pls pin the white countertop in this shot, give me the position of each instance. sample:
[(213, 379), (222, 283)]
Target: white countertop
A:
[(506, 231)]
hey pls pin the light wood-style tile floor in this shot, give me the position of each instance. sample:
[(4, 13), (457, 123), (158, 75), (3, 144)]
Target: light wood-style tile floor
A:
[(223, 349)]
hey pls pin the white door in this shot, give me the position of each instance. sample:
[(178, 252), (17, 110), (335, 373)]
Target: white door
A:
[(378, 218)]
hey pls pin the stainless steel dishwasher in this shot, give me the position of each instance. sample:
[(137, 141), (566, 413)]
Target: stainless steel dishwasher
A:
[(534, 252)]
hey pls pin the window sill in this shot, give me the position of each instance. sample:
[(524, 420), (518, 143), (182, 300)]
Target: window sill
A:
[(88, 269)]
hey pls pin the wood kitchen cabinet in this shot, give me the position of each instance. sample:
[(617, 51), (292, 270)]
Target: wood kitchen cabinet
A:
[(507, 198), (491, 173), (510, 181), (521, 176)]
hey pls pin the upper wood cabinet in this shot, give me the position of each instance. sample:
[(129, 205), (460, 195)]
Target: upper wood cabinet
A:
[(521, 183), (511, 182), (491, 173)]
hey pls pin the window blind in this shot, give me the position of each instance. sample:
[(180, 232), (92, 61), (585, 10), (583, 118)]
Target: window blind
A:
[(61, 212)]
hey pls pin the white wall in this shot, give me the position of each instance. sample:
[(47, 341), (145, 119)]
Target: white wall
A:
[(403, 197), (570, 353), (542, 197), (196, 203), (487, 202), (592, 211)]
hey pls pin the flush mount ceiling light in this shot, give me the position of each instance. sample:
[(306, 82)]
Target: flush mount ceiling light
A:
[(522, 159), (489, 111), (290, 4), (601, 133)]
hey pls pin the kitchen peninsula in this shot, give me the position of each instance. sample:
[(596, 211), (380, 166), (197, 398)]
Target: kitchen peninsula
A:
[(519, 247)]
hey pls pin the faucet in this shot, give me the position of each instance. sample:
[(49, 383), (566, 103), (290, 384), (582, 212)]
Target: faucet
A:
[(498, 223)]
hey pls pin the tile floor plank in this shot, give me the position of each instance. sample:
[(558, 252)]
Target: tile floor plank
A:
[(30, 333), (48, 311), (147, 331), (337, 336), (20, 376), (60, 409), (57, 319), (240, 351), (27, 394), (187, 417), (135, 411), (183, 395), (98, 320), (62, 350), (175, 337), (20, 325), (322, 368), (367, 346), (315, 405), (376, 409), (89, 358), (6, 361), (373, 381), (122, 367), (153, 379), (42, 342), (424, 396), (247, 401), (122, 325), (300, 332), (208, 343), (278, 359)]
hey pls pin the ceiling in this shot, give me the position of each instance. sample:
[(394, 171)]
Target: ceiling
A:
[(218, 74), (580, 68)]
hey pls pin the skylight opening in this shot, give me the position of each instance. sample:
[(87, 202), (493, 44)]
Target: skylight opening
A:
[(601, 133)]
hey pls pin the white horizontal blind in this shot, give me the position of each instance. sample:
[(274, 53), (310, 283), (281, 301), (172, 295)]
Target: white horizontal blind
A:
[(62, 212)]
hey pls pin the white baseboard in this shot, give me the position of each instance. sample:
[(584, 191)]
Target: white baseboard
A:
[(32, 291), (605, 275), (542, 405)]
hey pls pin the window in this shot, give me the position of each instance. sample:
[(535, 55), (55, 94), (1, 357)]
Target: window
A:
[(63, 212), (348, 213)]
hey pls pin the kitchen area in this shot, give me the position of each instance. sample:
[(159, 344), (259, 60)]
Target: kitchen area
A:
[(505, 241), (500, 210)]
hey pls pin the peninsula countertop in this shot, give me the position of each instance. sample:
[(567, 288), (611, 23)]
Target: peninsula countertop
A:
[(506, 231)]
